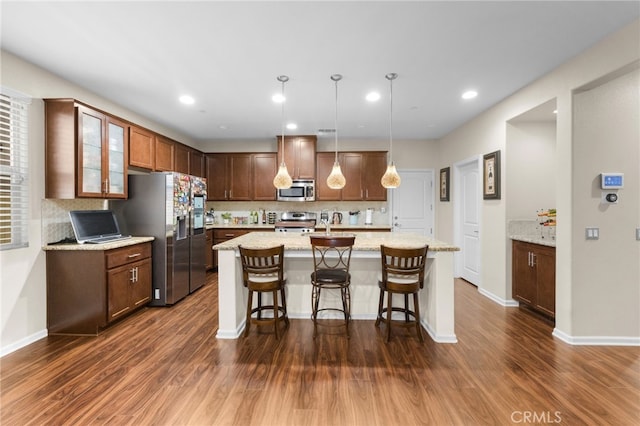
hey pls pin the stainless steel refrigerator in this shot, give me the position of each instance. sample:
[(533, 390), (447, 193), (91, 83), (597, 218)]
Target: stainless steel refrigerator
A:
[(170, 207)]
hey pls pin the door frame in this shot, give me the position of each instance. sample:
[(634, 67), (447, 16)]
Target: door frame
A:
[(457, 212)]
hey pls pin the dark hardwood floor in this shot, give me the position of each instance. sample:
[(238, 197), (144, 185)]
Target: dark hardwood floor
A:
[(164, 366)]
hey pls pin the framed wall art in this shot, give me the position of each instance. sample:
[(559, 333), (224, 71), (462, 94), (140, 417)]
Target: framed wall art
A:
[(491, 184), (445, 184)]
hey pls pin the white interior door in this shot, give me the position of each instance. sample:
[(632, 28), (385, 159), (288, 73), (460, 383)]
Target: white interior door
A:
[(467, 206), (412, 209)]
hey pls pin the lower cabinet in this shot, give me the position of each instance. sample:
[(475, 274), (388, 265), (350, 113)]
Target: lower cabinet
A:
[(534, 276), (222, 235), (87, 290), (208, 251), (128, 279)]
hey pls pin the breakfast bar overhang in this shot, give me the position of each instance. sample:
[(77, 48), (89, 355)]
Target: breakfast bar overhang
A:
[(436, 298)]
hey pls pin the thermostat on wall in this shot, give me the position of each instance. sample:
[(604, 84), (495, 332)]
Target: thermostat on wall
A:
[(612, 180)]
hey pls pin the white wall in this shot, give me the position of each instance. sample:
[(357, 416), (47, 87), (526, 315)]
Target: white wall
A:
[(530, 168), (607, 139), (23, 271), (487, 133)]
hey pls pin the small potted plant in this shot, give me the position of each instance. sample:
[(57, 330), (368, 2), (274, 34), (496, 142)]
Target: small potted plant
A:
[(226, 218)]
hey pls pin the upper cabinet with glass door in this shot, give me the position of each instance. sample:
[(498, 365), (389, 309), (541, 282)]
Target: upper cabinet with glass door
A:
[(86, 155)]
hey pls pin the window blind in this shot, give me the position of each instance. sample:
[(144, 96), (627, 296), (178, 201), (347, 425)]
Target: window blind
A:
[(14, 170)]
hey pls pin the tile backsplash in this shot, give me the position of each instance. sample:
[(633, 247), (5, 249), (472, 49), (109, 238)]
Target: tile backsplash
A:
[(56, 224), (381, 214)]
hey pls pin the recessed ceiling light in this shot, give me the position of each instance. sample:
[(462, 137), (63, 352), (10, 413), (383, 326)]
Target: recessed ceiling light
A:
[(469, 94), (278, 98), (555, 111), (292, 126), (222, 127), (187, 100), (373, 96)]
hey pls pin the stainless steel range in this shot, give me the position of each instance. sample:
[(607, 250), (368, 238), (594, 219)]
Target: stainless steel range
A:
[(301, 222)]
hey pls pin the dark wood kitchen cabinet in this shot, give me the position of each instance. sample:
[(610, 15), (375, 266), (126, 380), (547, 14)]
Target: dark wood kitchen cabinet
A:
[(208, 251), (324, 165), (196, 163), (149, 150), (128, 279), (265, 167), (164, 154), (299, 155), (229, 177), (86, 151), (222, 235), (362, 171), (534, 276), (110, 285), (141, 148), (181, 154)]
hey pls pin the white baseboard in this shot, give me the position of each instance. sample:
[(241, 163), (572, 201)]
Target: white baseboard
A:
[(6, 350), (233, 334), (499, 300), (596, 340), (439, 338)]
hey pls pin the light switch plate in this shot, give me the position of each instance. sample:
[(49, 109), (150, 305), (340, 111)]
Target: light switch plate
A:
[(638, 234), (592, 233)]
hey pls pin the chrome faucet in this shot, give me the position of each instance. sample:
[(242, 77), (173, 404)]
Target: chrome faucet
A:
[(327, 228)]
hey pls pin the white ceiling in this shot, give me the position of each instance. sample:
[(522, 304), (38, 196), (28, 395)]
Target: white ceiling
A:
[(227, 55)]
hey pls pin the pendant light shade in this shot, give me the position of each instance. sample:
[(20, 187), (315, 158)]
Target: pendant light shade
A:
[(391, 178), (336, 179), (282, 180)]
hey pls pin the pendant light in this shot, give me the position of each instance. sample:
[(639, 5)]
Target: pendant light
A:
[(282, 180), (391, 178), (336, 179)]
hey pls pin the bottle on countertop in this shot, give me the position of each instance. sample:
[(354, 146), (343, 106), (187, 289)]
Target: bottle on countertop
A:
[(264, 217)]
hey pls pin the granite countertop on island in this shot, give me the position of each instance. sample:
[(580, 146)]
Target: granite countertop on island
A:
[(365, 241), (107, 246)]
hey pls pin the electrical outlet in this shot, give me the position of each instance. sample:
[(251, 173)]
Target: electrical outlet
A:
[(592, 233), (156, 294)]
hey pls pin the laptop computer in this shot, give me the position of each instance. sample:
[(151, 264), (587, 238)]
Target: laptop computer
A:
[(95, 226)]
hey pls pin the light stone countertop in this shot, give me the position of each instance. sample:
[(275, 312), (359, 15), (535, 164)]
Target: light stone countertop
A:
[(534, 239), (108, 246), (365, 241)]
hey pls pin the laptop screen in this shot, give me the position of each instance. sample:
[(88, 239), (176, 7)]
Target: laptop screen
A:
[(91, 224)]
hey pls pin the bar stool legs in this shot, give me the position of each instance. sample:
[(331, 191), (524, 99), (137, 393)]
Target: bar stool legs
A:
[(402, 273), (263, 272), (331, 259)]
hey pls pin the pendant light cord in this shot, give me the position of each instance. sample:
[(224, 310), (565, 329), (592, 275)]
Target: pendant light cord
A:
[(391, 77), (336, 78), (336, 121), (282, 116)]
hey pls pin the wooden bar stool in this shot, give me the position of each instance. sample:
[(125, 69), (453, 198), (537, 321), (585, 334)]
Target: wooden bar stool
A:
[(263, 272), (331, 259), (402, 273)]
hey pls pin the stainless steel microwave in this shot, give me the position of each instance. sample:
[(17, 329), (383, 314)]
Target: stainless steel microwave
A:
[(301, 190)]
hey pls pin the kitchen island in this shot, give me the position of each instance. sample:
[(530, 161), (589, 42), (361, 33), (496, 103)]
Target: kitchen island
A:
[(436, 299)]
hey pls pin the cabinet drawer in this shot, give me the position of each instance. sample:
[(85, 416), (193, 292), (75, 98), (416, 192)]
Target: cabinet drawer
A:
[(124, 255), (227, 234)]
